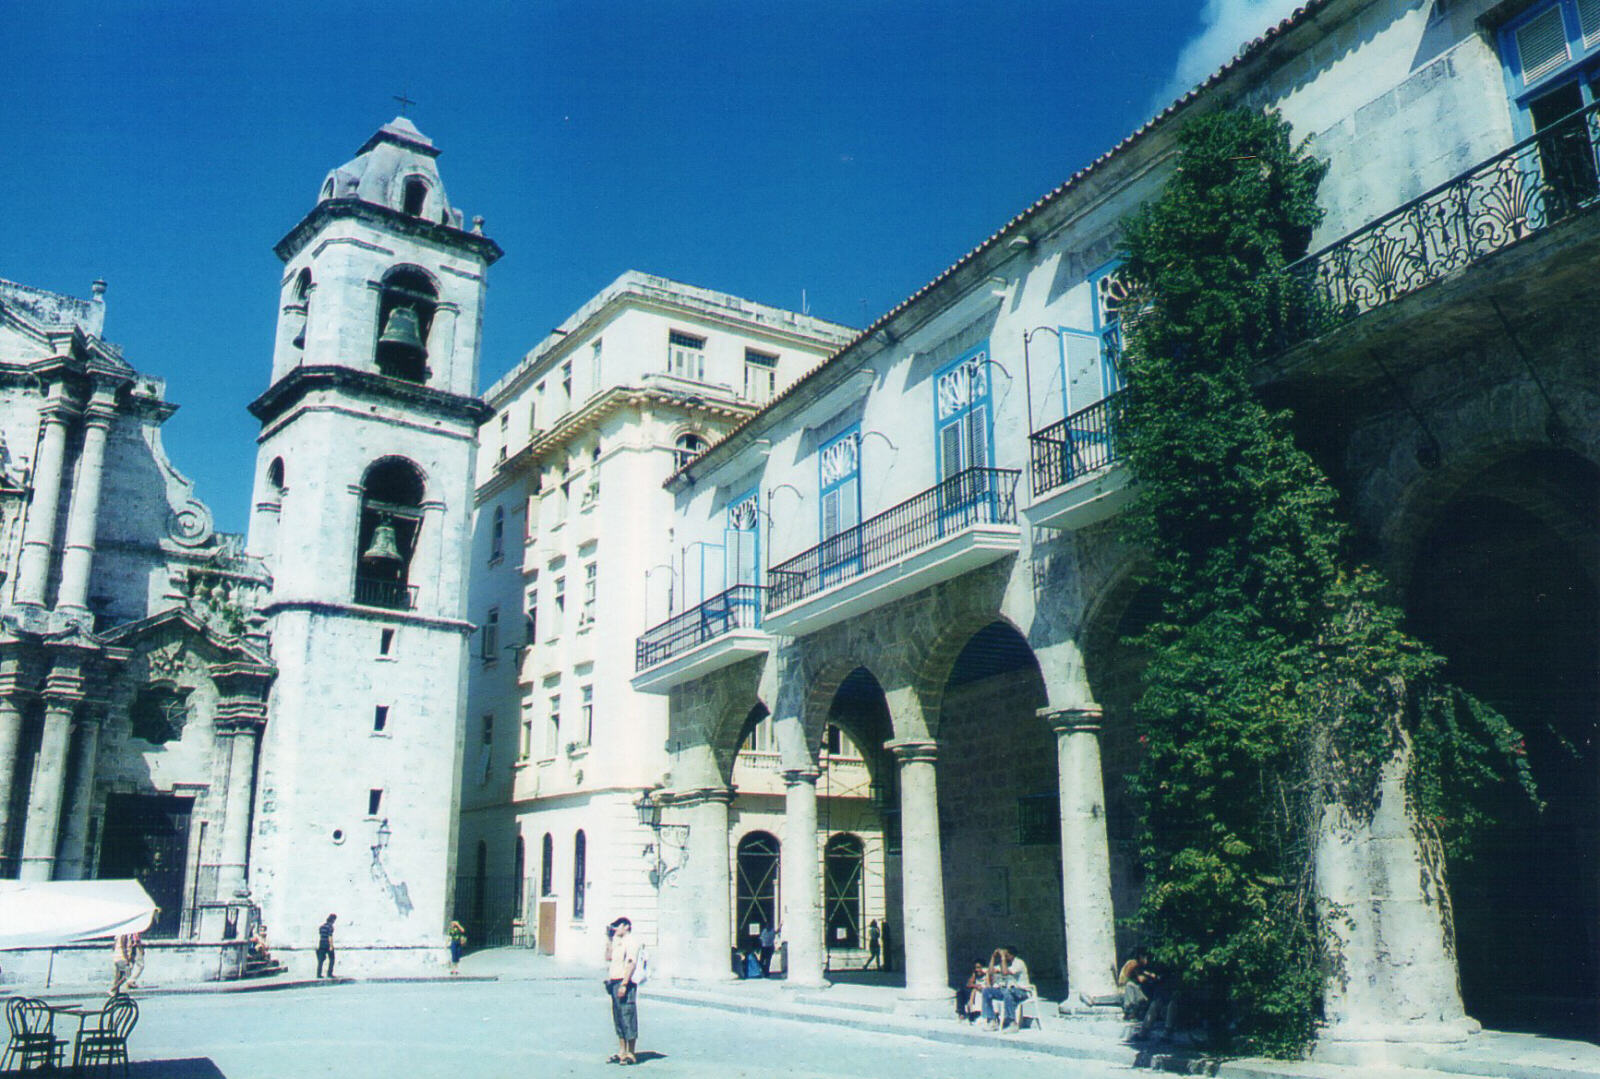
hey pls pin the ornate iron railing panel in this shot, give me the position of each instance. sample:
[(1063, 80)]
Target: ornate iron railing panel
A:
[(394, 595), (1071, 448), (975, 496), (737, 608), (1537, 183)]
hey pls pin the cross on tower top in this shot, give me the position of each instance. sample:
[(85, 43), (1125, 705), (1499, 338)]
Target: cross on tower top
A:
[(404, 101)]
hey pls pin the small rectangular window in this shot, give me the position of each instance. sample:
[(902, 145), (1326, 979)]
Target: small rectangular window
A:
[(588, 715), (686, 355), (526, 749), (374, 801), (385, 642), (760, 376), (487, 736), (491, 635), (594, 367), (380, 717), (590, 591), (559, 609), (566, 385), (552, 733)]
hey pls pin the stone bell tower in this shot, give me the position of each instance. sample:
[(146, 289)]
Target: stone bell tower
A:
[(362, 512)]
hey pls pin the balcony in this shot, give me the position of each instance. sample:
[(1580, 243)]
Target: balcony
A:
[(1075, 466), (958, 525), (722, 630), (1512, 212), (390, 595)]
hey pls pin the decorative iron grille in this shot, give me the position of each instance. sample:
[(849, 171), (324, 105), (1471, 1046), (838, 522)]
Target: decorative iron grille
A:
[(971, 497), (737, 608), (1071, 448), (1535, 184), (394, 595)]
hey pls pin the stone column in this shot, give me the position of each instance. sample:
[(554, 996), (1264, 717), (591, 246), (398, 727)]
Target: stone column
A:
[(802, 886), (75, 825), (39, 533), (1085, 855), (705, 886), (49, 780), (922, 870), (1381, 897), (83, 514), (10, 734), (240, 740)]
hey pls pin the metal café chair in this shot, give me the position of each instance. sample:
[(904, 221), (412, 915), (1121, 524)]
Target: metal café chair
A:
[(106, 1042), (33, 1043)]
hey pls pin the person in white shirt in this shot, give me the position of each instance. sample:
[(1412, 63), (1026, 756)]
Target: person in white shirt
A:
[(1009, 984), (622, 957)]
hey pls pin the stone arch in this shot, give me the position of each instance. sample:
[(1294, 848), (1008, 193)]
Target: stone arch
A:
[(933, 673)]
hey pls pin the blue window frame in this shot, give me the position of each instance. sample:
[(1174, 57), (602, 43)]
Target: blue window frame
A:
[(1551, 55), (1110, 293), (839, 481), (742, 539), (963, 421)]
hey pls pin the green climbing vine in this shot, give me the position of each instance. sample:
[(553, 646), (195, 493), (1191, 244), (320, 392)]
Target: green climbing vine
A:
[(1280, 677)]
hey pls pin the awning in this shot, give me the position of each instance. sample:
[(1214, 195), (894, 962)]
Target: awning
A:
[(37, 914)]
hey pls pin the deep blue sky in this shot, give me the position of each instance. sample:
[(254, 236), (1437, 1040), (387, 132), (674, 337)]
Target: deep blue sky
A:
[(850, 149)]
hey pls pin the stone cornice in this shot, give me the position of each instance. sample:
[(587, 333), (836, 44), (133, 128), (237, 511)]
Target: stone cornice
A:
[(913, 750), (1087, 720), (299, 382), (388, 220), (353, 610)]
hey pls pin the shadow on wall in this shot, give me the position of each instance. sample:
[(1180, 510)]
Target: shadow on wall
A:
[(187, 1068)]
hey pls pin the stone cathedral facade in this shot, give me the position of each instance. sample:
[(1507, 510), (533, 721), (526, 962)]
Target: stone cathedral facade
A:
[(263, 729)]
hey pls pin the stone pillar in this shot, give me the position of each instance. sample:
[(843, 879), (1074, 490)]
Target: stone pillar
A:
[(922, 870), (49, 780), (39, 533), (802, 885), (10, 735), (705, 886), (232, 879), (1085, 855), (75, 824), (83, 514), (1381, 898)]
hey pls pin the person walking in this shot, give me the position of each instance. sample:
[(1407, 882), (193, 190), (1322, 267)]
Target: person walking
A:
[(121, 961), (325, 944), (458, 944), (887, 962), (622, 961), (873, 954), (136, 959)]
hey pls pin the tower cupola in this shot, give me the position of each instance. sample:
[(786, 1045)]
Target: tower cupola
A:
[(395, 168)]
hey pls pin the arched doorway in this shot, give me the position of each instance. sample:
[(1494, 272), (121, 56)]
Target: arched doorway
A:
[(1504, 585), (756, 894), (841, 889), (999, 810)]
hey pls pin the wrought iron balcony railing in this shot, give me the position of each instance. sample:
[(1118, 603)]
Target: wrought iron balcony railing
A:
[(976, 496), (394, 595), (1077, 445), (1539, 182), (737, 608)]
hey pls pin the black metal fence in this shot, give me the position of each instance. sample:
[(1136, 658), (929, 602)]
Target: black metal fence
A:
[(737, 608), (1537, 183), (496, 911), (394, 595), (975, 496), (1073, 447)]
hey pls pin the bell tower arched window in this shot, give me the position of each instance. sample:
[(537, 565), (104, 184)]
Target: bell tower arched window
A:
[(406, 305), (416, 194), (391, 515)]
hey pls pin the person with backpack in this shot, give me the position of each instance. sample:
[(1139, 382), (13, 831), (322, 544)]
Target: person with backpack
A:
[(626, 968)]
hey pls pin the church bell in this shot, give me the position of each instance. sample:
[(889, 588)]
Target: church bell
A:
[(383, 548), (402, 335)]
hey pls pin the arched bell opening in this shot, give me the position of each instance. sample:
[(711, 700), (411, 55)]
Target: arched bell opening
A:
[(1504, 585), (407, 301), (391, 517), (999, 809)]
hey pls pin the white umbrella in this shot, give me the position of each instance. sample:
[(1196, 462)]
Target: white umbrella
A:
[(38, 914)]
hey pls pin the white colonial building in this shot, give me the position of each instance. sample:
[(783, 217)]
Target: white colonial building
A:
[(941, 575), (573, 557)]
